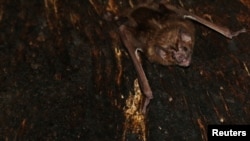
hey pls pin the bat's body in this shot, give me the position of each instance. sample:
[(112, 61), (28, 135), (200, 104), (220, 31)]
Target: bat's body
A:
[(164, 36), (167, 40)]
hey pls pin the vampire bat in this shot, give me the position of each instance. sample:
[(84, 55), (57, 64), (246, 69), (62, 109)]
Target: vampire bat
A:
[(165, 34)]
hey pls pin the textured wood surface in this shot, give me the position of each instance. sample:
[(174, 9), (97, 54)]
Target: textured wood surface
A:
[(65, 75)]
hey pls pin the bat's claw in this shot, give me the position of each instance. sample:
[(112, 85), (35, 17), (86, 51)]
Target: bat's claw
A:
[(236, 33), (136, 53)]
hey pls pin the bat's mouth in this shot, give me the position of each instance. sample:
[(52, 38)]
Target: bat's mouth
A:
[(185, 62)]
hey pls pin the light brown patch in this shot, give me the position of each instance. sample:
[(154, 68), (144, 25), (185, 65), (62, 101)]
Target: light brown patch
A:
[(134, 119)]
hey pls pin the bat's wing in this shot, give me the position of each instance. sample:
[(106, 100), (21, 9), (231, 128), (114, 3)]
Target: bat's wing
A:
[(132, 46), (188, 15)]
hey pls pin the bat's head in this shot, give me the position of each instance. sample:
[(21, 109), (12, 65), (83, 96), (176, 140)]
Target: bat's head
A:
[(173, 47)]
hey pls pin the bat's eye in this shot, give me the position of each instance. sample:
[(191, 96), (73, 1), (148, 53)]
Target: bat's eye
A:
[(185, 49), (172, 49), (160, 51)]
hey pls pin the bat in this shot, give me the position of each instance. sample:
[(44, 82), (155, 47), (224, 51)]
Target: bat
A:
[(165, 34)]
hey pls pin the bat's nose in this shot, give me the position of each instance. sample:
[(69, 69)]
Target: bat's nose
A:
[(183, 59)]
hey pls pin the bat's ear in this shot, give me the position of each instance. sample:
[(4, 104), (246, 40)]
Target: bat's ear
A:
[(184, 36), (163, 9), (154, 24)]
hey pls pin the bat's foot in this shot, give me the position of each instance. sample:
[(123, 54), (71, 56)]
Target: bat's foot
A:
[(144, 108), (148, 93)]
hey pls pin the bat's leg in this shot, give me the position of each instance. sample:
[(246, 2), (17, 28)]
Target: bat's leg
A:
[(188, 15), (150, 96), (132, 46)]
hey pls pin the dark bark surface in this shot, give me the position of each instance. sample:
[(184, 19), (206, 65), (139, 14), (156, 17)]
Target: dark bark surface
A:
[(65, 74)]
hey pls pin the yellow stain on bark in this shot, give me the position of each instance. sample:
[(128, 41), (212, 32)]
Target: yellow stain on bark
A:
[(134, 119)]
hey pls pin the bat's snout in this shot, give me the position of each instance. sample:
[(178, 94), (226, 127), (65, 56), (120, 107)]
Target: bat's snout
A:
[(183, 60)]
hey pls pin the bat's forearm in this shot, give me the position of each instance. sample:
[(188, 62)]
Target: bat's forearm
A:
[(220, 29), (130, 43)]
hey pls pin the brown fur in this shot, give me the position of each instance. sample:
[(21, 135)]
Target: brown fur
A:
[(165, 35), (161, 35)]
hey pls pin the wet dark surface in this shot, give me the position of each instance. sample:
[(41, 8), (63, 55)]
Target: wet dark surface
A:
[(65, 75)]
